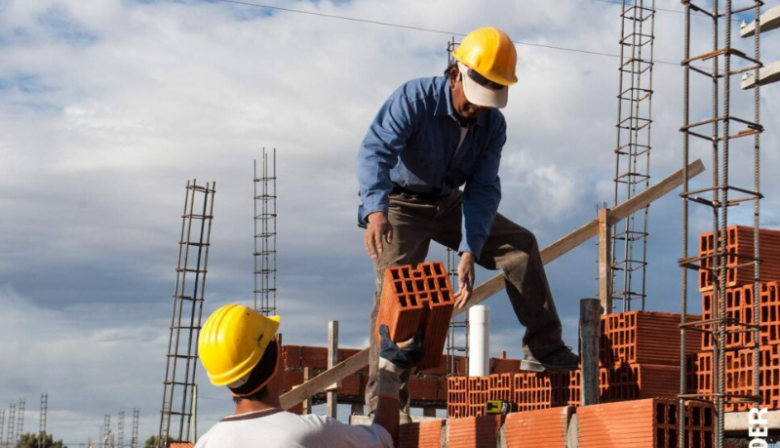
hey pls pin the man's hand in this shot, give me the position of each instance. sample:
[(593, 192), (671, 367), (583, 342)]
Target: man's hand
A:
[(378, 229), (466, 278)]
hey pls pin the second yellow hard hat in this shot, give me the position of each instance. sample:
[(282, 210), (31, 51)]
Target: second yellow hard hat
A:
[(232, 342)]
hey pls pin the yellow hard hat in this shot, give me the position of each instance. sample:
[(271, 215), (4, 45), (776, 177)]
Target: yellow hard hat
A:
[(233, 340), (492, 55)]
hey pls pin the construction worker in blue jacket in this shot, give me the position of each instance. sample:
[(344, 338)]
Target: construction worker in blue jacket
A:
[(429, 139)]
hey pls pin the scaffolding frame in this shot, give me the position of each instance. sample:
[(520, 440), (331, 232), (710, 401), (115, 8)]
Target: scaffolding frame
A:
[(42, 419), (134, 434), (10, 439), (120, 430), (19, 420), (189, 293), (2, 427), (633, 149), (105, 436), (733, 62), (265, 235)]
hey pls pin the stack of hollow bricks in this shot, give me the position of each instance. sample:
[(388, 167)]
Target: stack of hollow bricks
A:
[(741, 301), (648, 423), (639, 358)]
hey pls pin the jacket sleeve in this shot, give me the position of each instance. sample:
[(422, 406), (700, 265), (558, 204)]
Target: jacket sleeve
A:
[(482, 194), (380, 149)]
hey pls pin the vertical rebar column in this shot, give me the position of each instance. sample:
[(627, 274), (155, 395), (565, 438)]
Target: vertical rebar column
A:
[(42, 419), (2, 428), (19, 420), (459, 326), (189, 293), (265, 235), (134, 437), (632, 152), (120, 430), (10, 439), (717, 260)]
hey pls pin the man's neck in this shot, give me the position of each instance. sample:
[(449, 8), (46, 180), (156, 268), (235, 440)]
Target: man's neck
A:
[(246, 406)]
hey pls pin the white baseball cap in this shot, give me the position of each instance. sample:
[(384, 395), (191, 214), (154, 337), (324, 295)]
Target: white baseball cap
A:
[(481, 91)]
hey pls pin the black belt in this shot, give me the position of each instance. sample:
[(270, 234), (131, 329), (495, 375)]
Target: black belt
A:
[(397, 189)]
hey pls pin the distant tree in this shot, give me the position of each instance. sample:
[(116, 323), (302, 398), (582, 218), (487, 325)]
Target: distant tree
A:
[(34, 440), (153, 441)]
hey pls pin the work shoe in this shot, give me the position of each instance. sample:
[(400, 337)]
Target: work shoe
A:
[(561, 359)]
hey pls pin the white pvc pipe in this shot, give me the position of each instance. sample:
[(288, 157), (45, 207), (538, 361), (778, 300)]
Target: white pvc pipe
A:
[(479, 340)]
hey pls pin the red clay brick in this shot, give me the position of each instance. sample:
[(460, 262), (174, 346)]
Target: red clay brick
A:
[(500, 365), (502, 387), (633, 337), (651, 423), (425, 434), (740, 247), (545, 428), (424, 389), (473, 432)]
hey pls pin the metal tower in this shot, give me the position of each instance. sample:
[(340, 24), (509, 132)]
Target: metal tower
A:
[(42, 419), (19, 421), (134, 437), (265, 235), (632, 152), (726, 132), (105, 437), (10, 438), (187, 313), (120, 430)]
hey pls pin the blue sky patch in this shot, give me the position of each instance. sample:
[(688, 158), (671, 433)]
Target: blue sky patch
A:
[(57, 21)]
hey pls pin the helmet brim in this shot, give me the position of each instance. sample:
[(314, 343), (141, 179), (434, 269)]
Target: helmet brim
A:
[(480, 95)]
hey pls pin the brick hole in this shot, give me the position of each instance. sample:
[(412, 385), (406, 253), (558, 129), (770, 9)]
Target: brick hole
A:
[(431, 284), (446, 296), (696, 416), (395, 273), (399, 287), (659, 438), (406, 272), (443, 282), (672, 419), (671, 442), (438, 269), (420, 284), (435, 297), (426, 268)]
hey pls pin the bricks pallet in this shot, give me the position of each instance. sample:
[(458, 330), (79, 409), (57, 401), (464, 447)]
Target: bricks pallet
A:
[(647, 423), (414, 298), (739, 244), (633, 337)]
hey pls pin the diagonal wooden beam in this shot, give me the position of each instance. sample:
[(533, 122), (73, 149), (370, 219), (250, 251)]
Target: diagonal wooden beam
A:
[(354, 363)]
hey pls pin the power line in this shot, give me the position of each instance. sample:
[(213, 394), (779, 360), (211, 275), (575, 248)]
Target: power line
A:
[(429, 30)]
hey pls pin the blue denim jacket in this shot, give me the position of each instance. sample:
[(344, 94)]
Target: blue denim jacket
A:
[(412, 142)]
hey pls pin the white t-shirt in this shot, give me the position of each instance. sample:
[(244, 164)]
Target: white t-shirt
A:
[(275, 428)]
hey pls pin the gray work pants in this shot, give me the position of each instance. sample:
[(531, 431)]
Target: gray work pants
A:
[(509, 247)]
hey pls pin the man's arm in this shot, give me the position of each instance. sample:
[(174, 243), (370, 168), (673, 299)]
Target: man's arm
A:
[(481, 197), (378, 154)]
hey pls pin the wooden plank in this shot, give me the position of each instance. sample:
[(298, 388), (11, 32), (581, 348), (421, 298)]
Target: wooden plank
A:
[(590, 230), (590, 319), (332, 399), (605, 261), (351, 365)]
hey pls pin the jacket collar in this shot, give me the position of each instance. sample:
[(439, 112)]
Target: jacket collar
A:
[(444, 102)]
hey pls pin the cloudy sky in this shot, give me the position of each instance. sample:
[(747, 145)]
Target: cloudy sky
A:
[(108, 107)]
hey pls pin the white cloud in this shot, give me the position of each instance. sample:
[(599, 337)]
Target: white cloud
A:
[(110, 106)]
